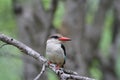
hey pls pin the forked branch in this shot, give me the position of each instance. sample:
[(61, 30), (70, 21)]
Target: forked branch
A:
[(27, 50)]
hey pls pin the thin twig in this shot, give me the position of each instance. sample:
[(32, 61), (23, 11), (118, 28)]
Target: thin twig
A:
[(3, 45), (42, 71)]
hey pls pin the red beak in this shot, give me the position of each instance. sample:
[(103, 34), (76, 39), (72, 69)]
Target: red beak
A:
[(64, 39)]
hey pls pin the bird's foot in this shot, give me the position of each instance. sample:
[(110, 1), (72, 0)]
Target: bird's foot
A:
[(49, 62), (57, 67)]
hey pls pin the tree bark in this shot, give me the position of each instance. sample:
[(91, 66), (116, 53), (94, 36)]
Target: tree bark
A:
[(110, 70), (34, 25), (74, 24), (85, 39)]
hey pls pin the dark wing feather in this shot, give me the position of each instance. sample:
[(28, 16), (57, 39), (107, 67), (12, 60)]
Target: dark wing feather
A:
[(63, 47)]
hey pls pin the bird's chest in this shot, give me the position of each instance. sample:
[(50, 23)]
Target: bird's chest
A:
[(55, 53)]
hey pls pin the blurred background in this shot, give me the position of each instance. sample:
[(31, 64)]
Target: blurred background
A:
[(93, 26)]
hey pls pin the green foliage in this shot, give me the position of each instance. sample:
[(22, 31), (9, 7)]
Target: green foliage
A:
[(59, 12), (7, 23), (118, 65), (92, 6), (10, 63), (94, 71), (59, 15), (10, 66), (105, 41), (106, 36), (46, 4), (51, 75)]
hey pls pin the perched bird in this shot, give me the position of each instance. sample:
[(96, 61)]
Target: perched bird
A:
[(55, 50)]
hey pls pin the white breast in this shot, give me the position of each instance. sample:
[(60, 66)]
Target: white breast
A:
[(55, 53)]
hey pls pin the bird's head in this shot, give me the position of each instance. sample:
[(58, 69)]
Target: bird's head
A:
[(58, 38)]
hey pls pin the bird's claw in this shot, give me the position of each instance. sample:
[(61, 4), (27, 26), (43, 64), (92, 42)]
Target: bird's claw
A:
[(57, 67)]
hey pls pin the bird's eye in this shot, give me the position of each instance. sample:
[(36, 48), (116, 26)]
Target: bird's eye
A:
[(56, 37)]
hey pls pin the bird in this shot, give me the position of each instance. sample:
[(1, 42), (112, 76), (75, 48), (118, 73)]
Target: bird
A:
[(55, 50)]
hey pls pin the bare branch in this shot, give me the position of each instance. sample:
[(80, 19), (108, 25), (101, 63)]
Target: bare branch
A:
[(60, 72), (42, 71), (27, 50), (65, 76)]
